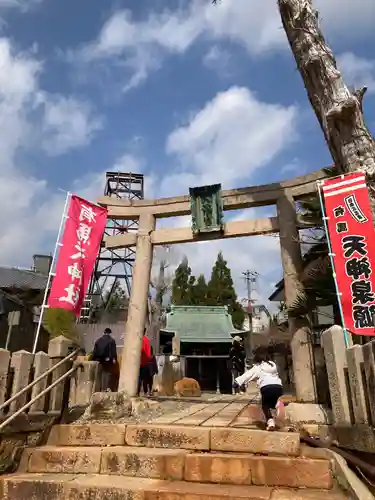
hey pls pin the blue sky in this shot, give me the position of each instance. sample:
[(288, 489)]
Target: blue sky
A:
[(182, 91)]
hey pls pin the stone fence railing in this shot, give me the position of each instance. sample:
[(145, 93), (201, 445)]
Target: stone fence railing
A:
[(351, 378), (19, 369)]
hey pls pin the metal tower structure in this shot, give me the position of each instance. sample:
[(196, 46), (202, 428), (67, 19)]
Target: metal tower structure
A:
[(114, 268)]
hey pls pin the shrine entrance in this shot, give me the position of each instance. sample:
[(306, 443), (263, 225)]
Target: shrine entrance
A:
[(207, 206)]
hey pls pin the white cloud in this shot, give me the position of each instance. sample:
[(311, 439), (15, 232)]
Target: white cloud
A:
[(22, 5), (128, 163), (136, 165), (230, 138), (29, 213), (219, 60), (226, 141), (357, 71), (140, 45), (345, 18), (18, 84), (293, 168), (67, 123)]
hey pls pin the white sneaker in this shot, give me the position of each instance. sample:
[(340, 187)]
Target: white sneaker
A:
[(271, 425)]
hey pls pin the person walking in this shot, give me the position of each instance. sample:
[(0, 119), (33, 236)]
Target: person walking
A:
[(145, 359), (151, 371), (105, 352), (237, 358), (269, 382)]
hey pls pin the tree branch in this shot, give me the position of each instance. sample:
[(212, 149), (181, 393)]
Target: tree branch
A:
[(359, 94)]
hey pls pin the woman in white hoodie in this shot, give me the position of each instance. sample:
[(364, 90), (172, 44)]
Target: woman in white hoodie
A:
[(265, 372)]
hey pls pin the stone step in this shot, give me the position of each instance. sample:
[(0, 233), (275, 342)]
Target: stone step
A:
[(174, 464), (181, 437), (258, 470), (103, 487), (154, 463), (87, 435)]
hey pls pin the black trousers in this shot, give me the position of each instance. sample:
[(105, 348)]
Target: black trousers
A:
[(148, 382), (143, 371), (270, 395)]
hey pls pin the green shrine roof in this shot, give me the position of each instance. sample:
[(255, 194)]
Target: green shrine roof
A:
[(201, 324)]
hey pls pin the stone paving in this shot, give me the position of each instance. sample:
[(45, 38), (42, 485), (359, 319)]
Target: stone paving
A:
[(218, 411)]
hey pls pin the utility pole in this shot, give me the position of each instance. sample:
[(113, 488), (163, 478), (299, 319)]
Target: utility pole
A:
[(251, 279)]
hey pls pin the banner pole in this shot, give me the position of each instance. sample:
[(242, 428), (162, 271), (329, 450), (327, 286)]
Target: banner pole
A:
[(51, 273), (346, 335)]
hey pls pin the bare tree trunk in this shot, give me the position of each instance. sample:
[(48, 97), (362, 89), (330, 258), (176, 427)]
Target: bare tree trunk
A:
[(338, 110), (157, 310)]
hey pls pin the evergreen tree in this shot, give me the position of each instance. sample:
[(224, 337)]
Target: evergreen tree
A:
[(189, 299), (237, 313), (117, 299), (220, 287), (181, 284), (60, 322), (199, 292), (221, 292)]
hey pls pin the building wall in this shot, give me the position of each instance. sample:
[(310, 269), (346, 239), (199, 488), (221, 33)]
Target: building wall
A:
[(22, 336), (90, 333), (260, 322)]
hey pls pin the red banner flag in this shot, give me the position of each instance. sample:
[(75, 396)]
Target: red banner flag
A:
[(352, 236), (79, 249)]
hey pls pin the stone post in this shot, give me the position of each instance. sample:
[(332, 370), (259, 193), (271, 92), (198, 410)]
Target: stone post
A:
[(176, 345), (354, 358), (335, 355), (58, 349), (21, 362), (137, 307), (41, 365), (84, 383), (369, 364), (4, 371), (299, 328)]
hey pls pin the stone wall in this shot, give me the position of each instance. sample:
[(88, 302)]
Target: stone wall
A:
[(351, 380)]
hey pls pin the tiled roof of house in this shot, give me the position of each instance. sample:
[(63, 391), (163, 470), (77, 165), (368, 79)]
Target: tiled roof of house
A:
[(12, 277), (201, 324)]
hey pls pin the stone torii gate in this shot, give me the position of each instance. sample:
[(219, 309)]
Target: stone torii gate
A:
[(283, 195)]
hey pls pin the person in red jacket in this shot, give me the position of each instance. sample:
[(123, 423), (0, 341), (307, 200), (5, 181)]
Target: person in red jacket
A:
[(145, 360)]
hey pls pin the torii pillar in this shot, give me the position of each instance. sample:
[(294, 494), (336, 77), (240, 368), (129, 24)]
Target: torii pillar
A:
[(135, 325), (299, 328)]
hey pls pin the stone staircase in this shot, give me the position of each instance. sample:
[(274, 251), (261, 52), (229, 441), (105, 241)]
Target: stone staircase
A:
[(155, 462)]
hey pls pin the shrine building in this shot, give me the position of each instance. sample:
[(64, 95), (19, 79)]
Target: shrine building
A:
[(202, 336)]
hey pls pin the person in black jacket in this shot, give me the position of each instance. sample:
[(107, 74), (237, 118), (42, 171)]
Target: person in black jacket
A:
[(105, 352), (237, 358)]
